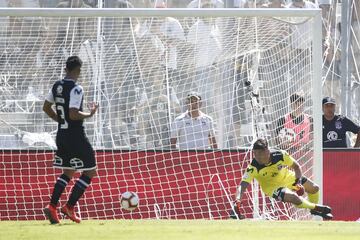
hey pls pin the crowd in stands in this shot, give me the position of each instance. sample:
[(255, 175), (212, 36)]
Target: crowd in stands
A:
[(144, 84)]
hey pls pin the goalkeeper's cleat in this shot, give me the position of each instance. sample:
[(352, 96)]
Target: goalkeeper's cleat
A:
[(69, 211), (322, 208), (323, 211), (51, 214), (237, 210)]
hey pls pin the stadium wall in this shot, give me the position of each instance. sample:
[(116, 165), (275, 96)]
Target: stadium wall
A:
[(341, 183)]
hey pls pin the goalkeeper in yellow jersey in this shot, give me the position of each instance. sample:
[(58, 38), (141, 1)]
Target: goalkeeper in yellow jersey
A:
[(271, 168)]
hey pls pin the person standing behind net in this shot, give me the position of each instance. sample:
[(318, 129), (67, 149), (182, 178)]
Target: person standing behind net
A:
[(294, 130), (336, 126), (271, 168), (193, 129), (74, 152)]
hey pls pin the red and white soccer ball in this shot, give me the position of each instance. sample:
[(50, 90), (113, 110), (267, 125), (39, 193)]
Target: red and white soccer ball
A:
[(129, 201)]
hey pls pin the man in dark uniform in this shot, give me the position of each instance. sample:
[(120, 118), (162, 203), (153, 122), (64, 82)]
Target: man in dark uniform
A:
[(74, 152), (336, 126)]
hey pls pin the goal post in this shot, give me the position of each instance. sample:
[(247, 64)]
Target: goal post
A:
[(140, 65)]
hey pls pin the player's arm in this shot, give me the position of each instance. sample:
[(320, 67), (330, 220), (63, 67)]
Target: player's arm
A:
[(75, 114), (354, 128), (47, 108), (76, 96), (248, 176), (293, 164), (238, 196), (241, 190), (296, 167)]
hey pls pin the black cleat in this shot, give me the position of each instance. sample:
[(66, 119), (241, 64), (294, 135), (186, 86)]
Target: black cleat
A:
[(322, 211)]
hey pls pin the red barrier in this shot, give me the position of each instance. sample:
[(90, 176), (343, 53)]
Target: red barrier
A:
[(178, 184), (341, 183)]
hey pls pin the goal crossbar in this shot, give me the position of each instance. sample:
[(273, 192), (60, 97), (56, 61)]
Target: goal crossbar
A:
[(145, 12)]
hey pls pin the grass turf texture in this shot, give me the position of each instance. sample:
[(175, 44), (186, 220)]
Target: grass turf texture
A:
[(179, 229)]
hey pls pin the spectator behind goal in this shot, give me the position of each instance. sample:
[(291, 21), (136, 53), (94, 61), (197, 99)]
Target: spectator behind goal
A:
[(294, 129), (336, 126), (193, 129)]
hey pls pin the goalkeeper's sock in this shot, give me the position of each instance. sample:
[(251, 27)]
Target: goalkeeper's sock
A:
[(314, 198), (59, 187), (306, 204), (78, 190)]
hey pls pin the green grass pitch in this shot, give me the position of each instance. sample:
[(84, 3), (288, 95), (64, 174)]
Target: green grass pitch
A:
[(179, 229)]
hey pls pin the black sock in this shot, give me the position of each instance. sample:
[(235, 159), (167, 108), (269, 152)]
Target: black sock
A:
[(59, 187), (78, 190)]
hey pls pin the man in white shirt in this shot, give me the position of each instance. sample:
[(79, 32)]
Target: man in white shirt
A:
[(193, 129)]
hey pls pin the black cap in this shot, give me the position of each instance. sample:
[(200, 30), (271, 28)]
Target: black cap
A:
[(328, 100), (260, 144), (296, 98)]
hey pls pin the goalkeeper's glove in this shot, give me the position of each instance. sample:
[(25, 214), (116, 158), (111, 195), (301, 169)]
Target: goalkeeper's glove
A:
[(298, 187)]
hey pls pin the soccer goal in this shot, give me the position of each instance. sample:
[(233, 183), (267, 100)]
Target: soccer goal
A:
[(140, 65)]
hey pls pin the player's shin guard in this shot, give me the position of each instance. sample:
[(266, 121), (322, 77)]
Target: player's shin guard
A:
[(306, 204), (78, 190), (314, 198), (59, 187)]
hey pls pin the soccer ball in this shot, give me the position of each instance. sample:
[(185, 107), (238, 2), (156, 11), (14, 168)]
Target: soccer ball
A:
[(129, 201), (287, 135)]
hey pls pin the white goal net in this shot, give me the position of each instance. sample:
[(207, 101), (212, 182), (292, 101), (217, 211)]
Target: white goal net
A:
[(140, 66)]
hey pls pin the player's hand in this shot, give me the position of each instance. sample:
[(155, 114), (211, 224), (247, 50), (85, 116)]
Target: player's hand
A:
[(298, 187), (93, 108), (237, 209)]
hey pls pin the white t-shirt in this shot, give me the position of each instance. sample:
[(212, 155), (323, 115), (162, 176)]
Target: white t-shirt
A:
[(207, 44), (192, 133)]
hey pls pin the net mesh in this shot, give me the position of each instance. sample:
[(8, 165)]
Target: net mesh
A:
[(140, 70)]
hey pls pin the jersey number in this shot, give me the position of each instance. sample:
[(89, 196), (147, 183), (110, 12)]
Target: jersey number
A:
[(65, 124)]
